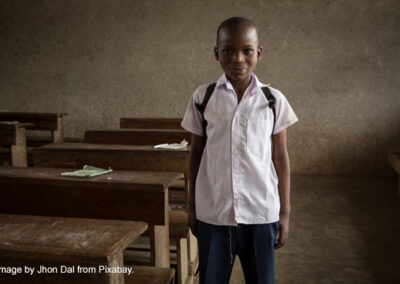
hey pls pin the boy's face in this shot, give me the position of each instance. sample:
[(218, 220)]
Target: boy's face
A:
[(237, 51)]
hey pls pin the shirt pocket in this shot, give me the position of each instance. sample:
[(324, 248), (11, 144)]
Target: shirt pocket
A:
[(258, 134)]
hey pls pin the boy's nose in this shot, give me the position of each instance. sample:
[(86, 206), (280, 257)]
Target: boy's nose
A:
[(238, 57)]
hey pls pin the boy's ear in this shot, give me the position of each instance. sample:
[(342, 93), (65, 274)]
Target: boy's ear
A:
[(216, 53), (259, 52)]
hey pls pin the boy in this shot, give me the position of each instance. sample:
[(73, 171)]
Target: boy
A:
[(237, 205)]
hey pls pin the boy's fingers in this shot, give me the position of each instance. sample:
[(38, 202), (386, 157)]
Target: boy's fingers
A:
[(281, 240)]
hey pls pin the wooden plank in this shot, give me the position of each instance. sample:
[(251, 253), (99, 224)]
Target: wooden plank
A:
[(53, 242), (98, 239), (58, 133), (193, 254), (13, 134), (126, 195), (8, 132), (151, 123), (41, 121), (118, 157), (37, 141), (182, 261), (120, 195), (19, 156), (159, 245), (178, 230), (137, 136)]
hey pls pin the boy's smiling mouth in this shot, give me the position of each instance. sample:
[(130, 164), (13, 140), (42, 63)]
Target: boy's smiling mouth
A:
[(239, 70)]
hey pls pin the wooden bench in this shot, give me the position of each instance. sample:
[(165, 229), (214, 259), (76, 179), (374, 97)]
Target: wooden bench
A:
[(13, 135), (151, 123), (52, 122), (66, 247), (394, 160), (119, 157), (125, 157), (120, 195)]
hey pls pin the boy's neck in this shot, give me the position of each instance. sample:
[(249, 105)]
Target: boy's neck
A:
[(240, 86)]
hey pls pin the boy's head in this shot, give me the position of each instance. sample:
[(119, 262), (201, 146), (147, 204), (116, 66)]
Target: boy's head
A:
[(237, 48)]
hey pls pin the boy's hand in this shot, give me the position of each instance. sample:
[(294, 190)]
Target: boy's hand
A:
[(192, 220), (283, 233)]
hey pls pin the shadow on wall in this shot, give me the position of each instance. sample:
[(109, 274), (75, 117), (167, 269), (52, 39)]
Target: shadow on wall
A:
[(333, 152)]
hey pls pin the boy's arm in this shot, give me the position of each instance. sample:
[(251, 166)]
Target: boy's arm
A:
[(280, 158), (196, 152)]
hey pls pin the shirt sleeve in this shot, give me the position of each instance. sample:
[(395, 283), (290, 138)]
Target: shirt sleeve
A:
[(192, 120), (285, 115)]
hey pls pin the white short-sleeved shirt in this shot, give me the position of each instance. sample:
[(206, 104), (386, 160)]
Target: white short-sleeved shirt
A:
[(237, 181)]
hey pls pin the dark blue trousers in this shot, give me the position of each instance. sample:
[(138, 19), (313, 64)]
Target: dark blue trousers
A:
[(218, 246)]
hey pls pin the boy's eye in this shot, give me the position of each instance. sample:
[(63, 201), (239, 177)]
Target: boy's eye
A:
[(227, 51), (248, 51)]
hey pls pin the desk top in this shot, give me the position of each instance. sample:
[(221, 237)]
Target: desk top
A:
[(137, 136), (139, 180), (140, 130), (109, 147), (67, 236), (41, 121)]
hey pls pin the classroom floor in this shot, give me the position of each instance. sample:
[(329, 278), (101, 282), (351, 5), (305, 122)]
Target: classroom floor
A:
[(343, 230)]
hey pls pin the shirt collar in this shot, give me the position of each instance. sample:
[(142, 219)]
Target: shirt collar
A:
[(254, 85)]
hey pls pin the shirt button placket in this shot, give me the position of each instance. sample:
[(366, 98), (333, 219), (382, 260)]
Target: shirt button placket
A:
[(236, 142)]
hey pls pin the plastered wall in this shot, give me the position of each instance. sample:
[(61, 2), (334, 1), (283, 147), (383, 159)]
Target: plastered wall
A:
[(336, 61)]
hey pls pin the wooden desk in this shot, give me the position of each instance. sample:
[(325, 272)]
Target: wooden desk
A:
[(54, 242), (118, 157), (121, 195), (137, 136), (145, 137), (40, 121), (151, 123), (13, 135)]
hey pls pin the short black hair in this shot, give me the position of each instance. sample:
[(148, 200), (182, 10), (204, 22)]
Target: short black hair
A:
[(235, 22)]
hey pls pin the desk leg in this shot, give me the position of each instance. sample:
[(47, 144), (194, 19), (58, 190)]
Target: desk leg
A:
[(58, 135), (18, 151), (193, 254), (186, 195), (159, 245), (116, 278)]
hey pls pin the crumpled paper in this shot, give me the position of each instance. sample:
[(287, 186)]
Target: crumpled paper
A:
[(174, 146), (86, 172)]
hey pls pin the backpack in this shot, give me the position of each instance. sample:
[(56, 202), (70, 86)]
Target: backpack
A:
[(210, 89)]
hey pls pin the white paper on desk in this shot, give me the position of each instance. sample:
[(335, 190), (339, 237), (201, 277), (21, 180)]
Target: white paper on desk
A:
[(175, 146)]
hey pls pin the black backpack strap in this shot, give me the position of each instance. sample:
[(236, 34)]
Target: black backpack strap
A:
[(271, 103), (202, 107)]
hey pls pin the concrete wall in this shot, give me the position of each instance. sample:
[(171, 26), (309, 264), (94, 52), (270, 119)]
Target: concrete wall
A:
[(337, 61)]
